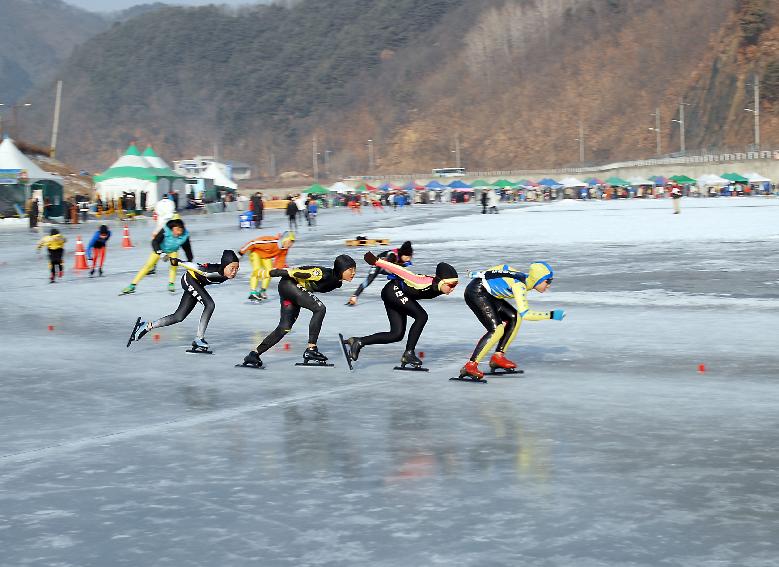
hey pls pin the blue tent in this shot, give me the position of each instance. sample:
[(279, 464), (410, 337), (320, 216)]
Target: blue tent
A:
[(410, 186), (457, 184), (435, 185), (386, 187), (549, 182)]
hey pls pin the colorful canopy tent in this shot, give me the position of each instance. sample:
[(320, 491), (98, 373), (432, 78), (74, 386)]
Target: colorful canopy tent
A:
[(434, 185), (568, 182), (316, 189), (388, 187), (756, 178), (480, 183), (683, 179), (20, 174), (503, 184), (365, 187), (712, 180), (156, 161), (411, 186), (548, 182), (659, 180), (526, 183), (592, 181), (734, 177), (341, 187), (133, 173), (457, 184), (616, 182)]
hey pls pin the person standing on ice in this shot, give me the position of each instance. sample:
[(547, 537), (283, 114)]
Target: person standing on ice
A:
[(296, 291), (676, 197), (97, 249), (402, 256), (166, 243), (194, 282), (266, 253), (400, 296), (487, 296), (55, 244)]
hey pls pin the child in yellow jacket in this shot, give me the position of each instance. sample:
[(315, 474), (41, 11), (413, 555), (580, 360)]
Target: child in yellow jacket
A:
[(55, 244)]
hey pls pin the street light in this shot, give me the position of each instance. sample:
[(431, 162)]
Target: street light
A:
[(656, 129)]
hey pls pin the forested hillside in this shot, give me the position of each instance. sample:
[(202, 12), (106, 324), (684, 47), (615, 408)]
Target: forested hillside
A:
[(36, 36), (512, 80)]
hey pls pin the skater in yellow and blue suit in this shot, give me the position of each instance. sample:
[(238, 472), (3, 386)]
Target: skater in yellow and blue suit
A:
[(487, 296)]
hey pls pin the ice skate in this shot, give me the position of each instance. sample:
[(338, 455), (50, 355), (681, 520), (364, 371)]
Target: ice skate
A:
[(262, 295), (100, 272), (470, 373), (134, 336), (312, 357), (354, 346), (251, 360), (499, 365), (91, 272), (129, 289), (410, 361), (200, 346), (347, 348), (254, 297)]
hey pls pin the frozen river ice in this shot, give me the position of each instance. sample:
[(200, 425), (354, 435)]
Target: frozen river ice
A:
[(611, 450)]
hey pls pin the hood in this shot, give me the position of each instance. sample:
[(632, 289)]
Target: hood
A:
[(405, 249), (539, 272), (228, 257), (445, 273), (343, 263), (286, 240)]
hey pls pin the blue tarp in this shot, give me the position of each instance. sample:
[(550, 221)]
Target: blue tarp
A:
[(385, 186), (410, 186), (549, 182), (435, 185), (457, 184)]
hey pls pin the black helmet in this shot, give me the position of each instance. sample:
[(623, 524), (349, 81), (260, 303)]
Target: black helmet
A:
[(54, 231), (343, 263), (228, 257), (445, 273), (103, 229)]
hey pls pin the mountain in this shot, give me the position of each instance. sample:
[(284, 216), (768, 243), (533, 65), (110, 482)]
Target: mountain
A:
[(36, 36), (511, 80)]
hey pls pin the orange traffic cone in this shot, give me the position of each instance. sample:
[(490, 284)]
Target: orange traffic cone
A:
[(126, 238), (81, 255)]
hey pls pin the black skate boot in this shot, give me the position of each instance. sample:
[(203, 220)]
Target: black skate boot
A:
[(200, 346), (91, 272), (355, 345), (139, 330), (410, 361), (100, 272), (251, 360), (312, 357)]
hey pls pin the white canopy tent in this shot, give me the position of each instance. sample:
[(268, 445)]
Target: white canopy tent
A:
[(567, 182), (341, 187), (12, 158), (711, 180), (756, 178), (134, 173), (640, 182), (214, 173)]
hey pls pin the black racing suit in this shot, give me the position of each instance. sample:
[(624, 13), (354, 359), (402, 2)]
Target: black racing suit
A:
[(194, 284), (401, 302), (295, 291)]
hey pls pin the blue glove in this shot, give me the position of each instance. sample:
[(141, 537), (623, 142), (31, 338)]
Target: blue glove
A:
[(557, 315)]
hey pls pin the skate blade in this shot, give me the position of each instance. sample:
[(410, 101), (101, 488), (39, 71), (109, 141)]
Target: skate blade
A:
[(468, 379), (135, 330), (199, 351), (250, 367), (314, 364), (345, 348), (412, 368), (503, 372)]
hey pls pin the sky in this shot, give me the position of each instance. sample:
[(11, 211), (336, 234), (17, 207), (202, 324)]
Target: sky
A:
[(112, 5)]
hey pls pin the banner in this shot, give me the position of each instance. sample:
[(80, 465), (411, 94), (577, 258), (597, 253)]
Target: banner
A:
[(10, 176)]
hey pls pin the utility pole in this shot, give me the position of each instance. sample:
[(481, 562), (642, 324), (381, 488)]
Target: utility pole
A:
[(656, 129), (327, 162), (56, 125), (581, 142), (370, 156), (682, 144), (457, 149), (315, 158), (756, 112)]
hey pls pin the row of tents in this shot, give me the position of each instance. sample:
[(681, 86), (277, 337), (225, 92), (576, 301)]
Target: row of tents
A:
[(547, 182)]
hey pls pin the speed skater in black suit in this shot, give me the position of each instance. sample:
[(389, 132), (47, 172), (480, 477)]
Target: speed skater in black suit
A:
[(194, 282), (296, 291), (400, 298), (401, 256)]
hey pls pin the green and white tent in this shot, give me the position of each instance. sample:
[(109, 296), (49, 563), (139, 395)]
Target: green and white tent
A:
[(20, 177), (136, 173)]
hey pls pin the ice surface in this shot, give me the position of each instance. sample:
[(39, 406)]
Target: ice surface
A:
[(611, 450)]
